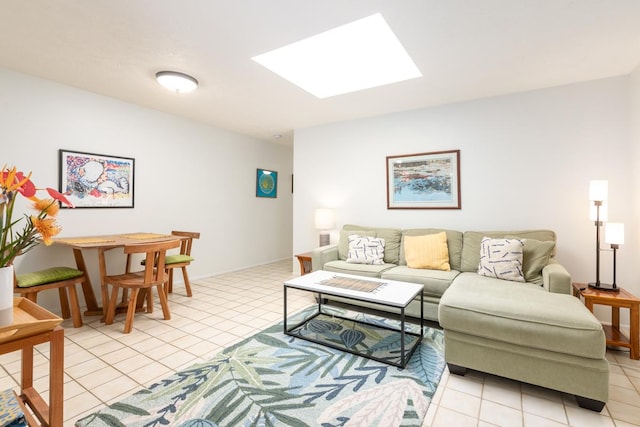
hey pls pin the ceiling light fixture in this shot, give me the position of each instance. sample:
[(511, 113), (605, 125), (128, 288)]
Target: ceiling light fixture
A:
[(176, 82), (360, 55)]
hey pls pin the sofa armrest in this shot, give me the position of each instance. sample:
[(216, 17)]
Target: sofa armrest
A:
[(556, 278), (322, 255)]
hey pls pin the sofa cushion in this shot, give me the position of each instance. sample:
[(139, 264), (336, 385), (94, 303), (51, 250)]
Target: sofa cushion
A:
[(536, 256), (435, 282), (472, 240), (428, 251), (391, 237), (501, 258), (369, 270), (454, 244), (365, 250), (521, 314)]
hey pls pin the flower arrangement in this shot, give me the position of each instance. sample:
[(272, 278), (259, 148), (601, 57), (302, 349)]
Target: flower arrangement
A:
[(40, 226)]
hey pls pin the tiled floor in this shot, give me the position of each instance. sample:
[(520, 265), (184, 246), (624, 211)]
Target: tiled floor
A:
[(103, 365)]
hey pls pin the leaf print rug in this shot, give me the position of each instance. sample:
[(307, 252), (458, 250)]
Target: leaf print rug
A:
[(271, 379)]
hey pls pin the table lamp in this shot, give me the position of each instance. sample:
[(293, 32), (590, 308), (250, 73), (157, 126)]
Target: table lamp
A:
[(324, 220)]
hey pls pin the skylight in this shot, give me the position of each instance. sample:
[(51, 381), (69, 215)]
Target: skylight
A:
[(349, 58)]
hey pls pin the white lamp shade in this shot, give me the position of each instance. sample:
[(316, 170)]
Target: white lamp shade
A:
[(604, 212), (324, 219), (598, 190), (614, 233)]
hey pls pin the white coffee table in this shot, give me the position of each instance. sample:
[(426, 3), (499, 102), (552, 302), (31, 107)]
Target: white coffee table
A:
[(387, 293)]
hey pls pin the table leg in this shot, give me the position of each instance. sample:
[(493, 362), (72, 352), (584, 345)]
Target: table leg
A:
[(87, 289), (285, 309), (56, 377), (402, 355), (634, 337), (588, 302), (102, 265), (615, 317), (26, 374)]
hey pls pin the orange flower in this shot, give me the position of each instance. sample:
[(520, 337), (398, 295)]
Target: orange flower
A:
[(15, 242), (48, 206), (47, 228)]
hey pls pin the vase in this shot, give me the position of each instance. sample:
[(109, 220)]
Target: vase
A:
[(6, 295)]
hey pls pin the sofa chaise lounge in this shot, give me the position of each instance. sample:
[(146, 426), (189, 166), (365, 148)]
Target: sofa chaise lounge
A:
[(532, 330)]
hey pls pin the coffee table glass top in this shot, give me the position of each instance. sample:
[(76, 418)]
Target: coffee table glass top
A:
[(388, 292)]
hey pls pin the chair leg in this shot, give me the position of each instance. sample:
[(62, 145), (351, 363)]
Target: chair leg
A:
[(75, 307), (131, 311), (169, 287), (187, 285), (164, 302), (32, 296), (64, 303), (111, 309), (149, 301)]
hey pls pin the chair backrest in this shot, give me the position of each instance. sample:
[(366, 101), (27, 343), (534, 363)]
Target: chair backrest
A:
[(154, 260), (187, 240)]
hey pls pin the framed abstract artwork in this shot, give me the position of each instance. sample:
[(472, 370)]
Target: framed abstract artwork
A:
[(97, 180), (266, 183), (424, 181)]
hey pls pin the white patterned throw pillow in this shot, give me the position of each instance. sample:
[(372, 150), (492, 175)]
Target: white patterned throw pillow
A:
[(501, 258), (365, 250)]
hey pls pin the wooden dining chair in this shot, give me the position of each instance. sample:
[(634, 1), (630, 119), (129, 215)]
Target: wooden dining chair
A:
[(64, 279), (181, 260), (136, 286)]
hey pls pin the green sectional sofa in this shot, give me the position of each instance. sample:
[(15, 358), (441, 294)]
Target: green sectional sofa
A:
[(464, 256), (531, 330)]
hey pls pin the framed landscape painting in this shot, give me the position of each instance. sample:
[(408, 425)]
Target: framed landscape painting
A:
[(424, 180), (97, 180), (266, 183)]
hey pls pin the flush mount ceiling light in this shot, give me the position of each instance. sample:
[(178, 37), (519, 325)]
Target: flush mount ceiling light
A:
[(176, 82), (352, 57)]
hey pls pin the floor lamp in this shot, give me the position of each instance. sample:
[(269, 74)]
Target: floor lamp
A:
[(598, 190), (614, 235)]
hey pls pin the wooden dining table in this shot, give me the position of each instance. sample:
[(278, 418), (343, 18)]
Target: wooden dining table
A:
[(104, 244)]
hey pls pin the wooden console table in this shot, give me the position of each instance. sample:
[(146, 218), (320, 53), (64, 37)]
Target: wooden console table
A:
[(615, 300), (34, 325)]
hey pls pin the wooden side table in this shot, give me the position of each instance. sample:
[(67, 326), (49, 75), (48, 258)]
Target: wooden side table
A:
[(32, 323), (615, 300), (305, 263)]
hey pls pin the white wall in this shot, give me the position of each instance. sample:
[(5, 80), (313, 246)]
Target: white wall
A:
[(634, 96), (526, 162), (189, 175)]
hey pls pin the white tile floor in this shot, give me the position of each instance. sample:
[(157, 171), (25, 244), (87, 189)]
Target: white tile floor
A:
[(103, 365)]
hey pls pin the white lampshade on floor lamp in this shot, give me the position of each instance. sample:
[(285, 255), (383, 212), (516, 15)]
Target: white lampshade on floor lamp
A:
[(324, 220)]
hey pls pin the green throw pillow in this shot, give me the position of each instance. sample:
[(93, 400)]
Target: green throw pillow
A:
[(536, 256), (50, 275)]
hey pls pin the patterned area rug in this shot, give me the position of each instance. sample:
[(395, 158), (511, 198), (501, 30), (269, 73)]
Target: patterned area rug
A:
[(271, 379)]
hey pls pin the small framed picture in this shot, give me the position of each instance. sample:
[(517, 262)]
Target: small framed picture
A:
[(424, 181), (97, 180), (266, 183)]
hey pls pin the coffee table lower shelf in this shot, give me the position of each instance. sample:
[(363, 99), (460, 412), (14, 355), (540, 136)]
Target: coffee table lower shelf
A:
[(408, 341)]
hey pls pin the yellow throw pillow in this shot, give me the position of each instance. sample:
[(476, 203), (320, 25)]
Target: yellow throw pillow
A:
[(429, 251)]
